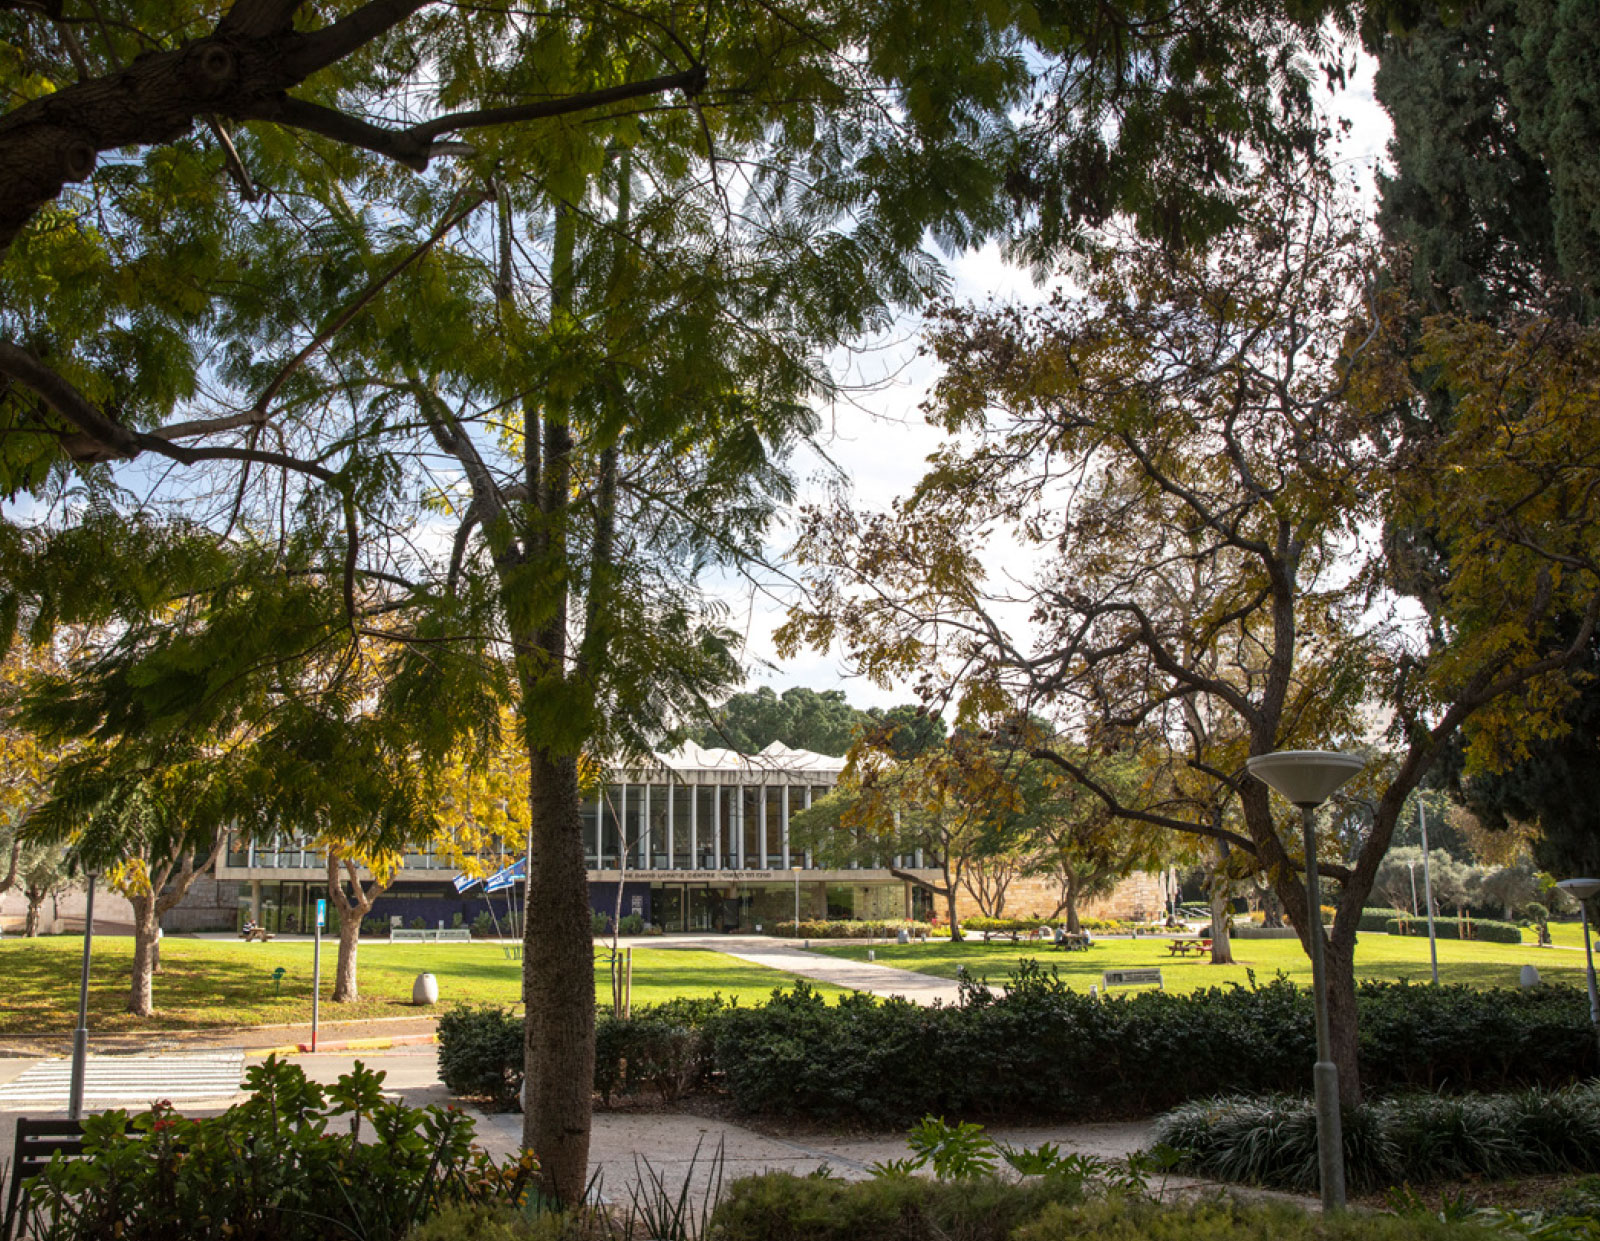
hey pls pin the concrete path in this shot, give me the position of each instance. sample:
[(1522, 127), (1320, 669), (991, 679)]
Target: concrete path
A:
[(880, 980)]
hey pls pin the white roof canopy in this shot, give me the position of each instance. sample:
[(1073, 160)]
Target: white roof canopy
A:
[(775, 764)]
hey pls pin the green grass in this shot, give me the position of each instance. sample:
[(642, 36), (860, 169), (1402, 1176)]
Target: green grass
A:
[(221, 984), (1390, 957)]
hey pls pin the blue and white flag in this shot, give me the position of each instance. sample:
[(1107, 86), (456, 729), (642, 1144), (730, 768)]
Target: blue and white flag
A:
[(509, 877), (464, 881)]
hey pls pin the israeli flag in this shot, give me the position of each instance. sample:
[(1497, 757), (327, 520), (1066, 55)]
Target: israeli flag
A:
[(507, 878), (464, 881)]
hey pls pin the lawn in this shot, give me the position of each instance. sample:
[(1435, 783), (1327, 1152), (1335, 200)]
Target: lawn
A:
[(217, 983), (1377, 956)]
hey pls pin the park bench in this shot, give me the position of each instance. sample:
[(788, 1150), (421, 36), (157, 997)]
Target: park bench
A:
[(257, 933), (1132, 978), (37, 1141), (1183, 947), (454, 935)]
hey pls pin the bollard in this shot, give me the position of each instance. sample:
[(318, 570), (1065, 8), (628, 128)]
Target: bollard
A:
[(1530, 977), (425, 990), (871, 954)]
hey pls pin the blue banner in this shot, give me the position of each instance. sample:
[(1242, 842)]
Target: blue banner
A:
[(465, 881)]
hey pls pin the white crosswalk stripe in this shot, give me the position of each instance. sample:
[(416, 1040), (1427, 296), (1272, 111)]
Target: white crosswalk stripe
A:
[(137, 1080)]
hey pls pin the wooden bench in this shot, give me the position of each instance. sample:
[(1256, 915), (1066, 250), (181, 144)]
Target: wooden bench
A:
[(1183, 947), (1074, 942), (37, 1141), (258, 933), (455, 935), (1132, 978)]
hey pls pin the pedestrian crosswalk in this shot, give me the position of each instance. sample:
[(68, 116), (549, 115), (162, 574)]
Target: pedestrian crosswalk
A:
[(128, 1080)]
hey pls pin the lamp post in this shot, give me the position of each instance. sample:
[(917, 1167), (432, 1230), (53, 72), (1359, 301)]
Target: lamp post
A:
[(80, 1036), (1307, 778), (796, 870), (1582, 890)]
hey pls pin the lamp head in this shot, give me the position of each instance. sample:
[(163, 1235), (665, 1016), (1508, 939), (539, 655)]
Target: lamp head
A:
[(1305, 777), (1580, 889)]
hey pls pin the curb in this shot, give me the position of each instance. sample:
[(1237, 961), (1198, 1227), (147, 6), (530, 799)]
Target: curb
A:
[(352, 1044)]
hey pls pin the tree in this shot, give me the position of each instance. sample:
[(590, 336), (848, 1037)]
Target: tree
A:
[(800, 718), (1210, 409), (44, 871), (1489, 203), (404, 272)]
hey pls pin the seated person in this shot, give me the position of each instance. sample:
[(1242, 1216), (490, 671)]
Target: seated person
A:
[(249, 928)]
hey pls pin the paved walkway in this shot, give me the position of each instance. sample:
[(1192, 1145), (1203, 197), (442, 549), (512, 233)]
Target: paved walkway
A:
[(880, 980)]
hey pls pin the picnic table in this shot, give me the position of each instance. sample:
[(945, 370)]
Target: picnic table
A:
[(1184, 945), (1073, 942)]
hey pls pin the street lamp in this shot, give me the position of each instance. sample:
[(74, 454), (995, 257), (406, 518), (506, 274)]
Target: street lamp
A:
[(796, 870), (80, 1036), (1582, 890), (1307, 778)]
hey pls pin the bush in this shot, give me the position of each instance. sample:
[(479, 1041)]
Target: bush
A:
[(779, 1206), (1408, 1139), (1039, 1049), (483, 925), (599, 923), (1376, 918), (481, 1054), (649, 1052), (418, 924), (631, 924), (848, 929), (295, 1162), (1224, 1219), (1451, 928)]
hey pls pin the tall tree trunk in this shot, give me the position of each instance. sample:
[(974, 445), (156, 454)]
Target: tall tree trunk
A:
[(1342, 1018), (1221, 942), (345, 987), (558, 981), (141, 996), (1070, 890), (30, 926), (352, 909)]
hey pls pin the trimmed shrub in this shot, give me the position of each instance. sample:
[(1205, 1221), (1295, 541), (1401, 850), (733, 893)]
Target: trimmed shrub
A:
[(649, 1052), (483, 925), (1224, 1219), (481, 1054), (631, 924), (1376, 918), (780, 1206), (847, 929), (1451, 928), (1409, 1139), (599, 923)]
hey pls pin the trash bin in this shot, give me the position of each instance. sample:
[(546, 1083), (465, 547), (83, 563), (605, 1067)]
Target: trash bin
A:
[(425, 990), (904, 937)]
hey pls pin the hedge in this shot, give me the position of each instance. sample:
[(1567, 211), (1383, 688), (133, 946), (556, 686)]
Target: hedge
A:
[(1376, 918), (1451, 928), (1038, 1049), (849, 929)]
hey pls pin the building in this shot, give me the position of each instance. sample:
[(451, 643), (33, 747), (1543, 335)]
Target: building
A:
[(697, 840)]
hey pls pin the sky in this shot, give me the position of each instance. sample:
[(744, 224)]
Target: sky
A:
[(880, 440)]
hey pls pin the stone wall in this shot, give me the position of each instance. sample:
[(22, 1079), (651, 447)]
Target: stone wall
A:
[(210, 904), (1137, 898)]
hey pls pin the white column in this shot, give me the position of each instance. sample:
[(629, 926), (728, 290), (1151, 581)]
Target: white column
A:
[(672, 799), (716, 826), (785, 808), (644, 829), (622, 823), (808, 807), (694, 828), (761, 827)]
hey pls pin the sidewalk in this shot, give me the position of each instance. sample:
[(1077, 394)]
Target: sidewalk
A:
[(879, 980)]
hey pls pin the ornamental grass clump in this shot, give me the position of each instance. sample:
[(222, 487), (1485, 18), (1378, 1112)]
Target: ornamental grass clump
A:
[(1411, 1139)]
